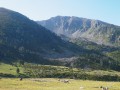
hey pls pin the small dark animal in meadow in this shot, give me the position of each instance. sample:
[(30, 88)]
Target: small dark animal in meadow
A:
[(21, 79)]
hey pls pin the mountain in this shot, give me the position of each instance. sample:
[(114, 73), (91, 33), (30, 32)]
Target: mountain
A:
[(76, 28), (99, 38), (23, 39)]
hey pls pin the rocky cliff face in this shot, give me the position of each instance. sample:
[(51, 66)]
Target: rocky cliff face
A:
[(92, 30)]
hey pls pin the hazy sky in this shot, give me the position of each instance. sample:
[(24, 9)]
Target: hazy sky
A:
[(105, 10)]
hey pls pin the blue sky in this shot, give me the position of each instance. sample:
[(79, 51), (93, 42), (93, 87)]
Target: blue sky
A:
[(105, 10)]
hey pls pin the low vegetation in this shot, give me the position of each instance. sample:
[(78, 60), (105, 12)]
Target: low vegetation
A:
[(55, 84), (41, 71), (29, 70)]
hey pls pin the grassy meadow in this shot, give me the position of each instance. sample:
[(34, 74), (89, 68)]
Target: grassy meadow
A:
[(51, 83), (54, 84), (9, 69)]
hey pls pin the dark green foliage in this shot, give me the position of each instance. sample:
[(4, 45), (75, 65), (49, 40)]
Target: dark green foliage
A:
[(98, 57), (7, 75), (96, 61), (17, 70), (23, 39), (116, 56), (41, 71)]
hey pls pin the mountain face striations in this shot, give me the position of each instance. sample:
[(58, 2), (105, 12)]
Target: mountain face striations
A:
[(92, 30)]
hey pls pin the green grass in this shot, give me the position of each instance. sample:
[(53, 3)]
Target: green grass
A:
[(102, 72), (46, 71), (54, 84), (9, 69)]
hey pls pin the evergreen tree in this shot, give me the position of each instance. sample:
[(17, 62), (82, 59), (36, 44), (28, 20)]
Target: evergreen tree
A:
[(17, 70)]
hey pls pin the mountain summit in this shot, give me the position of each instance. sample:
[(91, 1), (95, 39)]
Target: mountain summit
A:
[(92, 30)]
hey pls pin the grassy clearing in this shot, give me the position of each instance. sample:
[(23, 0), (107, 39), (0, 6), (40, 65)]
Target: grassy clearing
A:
[(49, 71), (9, 69), (54, 84)]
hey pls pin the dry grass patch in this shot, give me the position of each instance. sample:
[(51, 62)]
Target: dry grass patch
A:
[(54, 84)]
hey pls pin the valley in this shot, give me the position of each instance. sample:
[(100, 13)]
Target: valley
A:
[(59, 45), (63, 48)]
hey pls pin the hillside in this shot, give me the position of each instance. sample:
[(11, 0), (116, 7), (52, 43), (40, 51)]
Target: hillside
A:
[(30, 70), (91, 35), (92, 30), (23, 39)]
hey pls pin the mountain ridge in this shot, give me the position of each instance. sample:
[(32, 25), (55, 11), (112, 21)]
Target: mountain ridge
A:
[(27, 40), (75, 27), (22, 39)]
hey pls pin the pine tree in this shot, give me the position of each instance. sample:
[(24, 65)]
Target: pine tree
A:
[(18, 70)]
